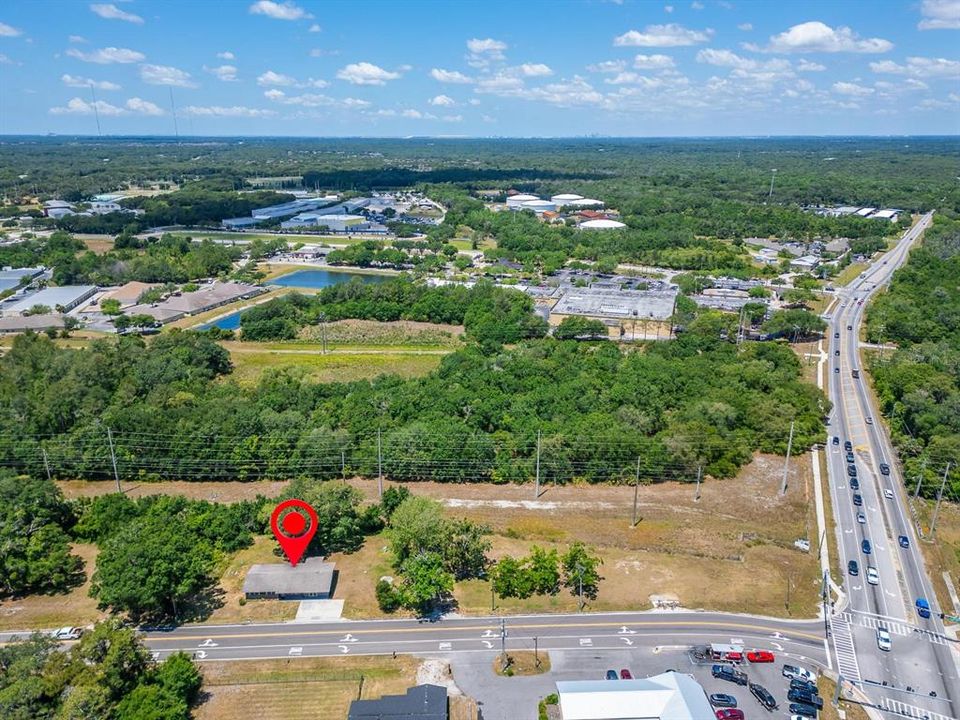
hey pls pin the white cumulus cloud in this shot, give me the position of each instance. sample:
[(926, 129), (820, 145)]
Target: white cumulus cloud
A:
[(808, 66), (226, 55), (745, 27), (166, 75), (534, 70), (450, 76), (364, 73), (851, 89), (920, 67), (232, 111), (77, 39), (110, 11), (940, 15), (608, 66), (226, 73), (442, 101), (279, 10), (9, 30), (82, 82), (315, 28), (142, 107), (108, 55), (816, 36), (670, 35), (653, 62), (725, 58), (274, 78)]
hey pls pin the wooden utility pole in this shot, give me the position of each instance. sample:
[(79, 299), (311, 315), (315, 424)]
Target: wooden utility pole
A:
[(786, 464), (46, 463), (636, 491), (113, 459), (696, 494), (536, 487), (379, 463), (936, 509), (923, 467)]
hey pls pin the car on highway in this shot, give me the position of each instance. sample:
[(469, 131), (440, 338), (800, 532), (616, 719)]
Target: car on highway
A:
[(612, 675), (836, 353), (836, 440), (795, 672), (626, 674), (869, 420), (723, 700), (888, 493), (760, 656), (904, 541), (849, 327), (865, 546), (884, 469), (763, 696), (857, 499), (873, 577), (855, 373), (729, 714), (729, 673), (836, 334), (883, 640), (852, 470), (802, 710), (923, 607), (861, 518), (67, 633), (850, 457), (854, 483), (836, 370), (847, 445), (853, 568)]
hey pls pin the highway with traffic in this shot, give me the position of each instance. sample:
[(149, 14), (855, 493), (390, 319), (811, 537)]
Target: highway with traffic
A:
[(917, 676)]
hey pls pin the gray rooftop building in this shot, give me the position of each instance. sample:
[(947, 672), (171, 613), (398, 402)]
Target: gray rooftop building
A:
[(423, 702), (61, 299), (312, 579)]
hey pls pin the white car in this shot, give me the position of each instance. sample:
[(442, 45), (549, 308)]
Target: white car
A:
[(872, 576), (795, 672), (888, 493), (861, 518), (883, 640), (67, 633)]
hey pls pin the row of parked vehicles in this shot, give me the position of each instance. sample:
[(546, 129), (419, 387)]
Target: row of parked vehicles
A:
[(802, 694)]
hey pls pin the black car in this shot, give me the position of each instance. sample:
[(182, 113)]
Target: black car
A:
[(808, 711), (849, 327), (847, 445), (865, 546), (836, 335), (836, 353), (731, 674), (804, 685), (850, 457), (722, 700), (854, 483), (857, 499), (836, 440), (853, 568), (806, 697), (884, 469), (852, 470), (763, 696)]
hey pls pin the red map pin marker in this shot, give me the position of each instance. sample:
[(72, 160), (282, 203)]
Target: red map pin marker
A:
[(293, 533)]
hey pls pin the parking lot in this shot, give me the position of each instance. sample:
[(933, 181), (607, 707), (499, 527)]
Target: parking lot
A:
[(517, 697)]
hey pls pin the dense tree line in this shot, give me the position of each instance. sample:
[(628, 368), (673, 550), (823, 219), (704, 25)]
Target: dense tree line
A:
[(489, 313), (107, 674), (919, 384), (679, 405)]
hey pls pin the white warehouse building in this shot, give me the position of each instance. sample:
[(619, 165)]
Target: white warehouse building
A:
[(538, 206), (515, 201)]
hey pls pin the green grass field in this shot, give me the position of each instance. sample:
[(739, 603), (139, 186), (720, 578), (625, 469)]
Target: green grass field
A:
[(335, 367)]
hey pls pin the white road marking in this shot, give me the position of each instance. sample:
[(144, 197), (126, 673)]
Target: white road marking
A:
[(586, 641), (207, 643), (628, 641), (296, 651), (348, 638), (626, 631), (445, 646), (843, 646), (200, 654), (344, 649), (487, 644)]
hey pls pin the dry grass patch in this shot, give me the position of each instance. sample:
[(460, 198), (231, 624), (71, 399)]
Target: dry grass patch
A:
[(522, 662), (51, 611), (372, 332), (943, 553), (299, 688), (225, 492), (333, 367), (852, 711)]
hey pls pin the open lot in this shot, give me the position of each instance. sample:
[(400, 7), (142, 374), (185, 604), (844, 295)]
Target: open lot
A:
[(942, 554), (300, 688)]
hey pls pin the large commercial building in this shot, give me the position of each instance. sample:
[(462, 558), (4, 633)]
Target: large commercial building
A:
[(515, 202), (668, 696), (278, 211), (59, 299), (337, 223), (206, 298)]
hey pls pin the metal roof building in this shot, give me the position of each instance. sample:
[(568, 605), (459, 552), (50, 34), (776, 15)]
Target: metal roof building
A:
[(62, 299), (311, 579), (669, 696), (423, 702)]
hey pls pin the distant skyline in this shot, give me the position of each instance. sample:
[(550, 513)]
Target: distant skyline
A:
[(613, 68)]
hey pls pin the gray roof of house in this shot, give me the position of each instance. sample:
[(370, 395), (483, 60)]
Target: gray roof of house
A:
[(423, 702), (313, 575)]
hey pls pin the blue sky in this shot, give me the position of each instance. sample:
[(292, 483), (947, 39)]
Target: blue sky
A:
[(636, 68)]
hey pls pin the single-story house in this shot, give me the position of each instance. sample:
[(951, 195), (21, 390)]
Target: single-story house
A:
[(423, 702), (668, 696), (312, 579)]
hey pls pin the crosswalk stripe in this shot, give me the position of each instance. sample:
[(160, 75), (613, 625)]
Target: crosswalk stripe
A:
[(843, 648), (910, 711), (894, 628)]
